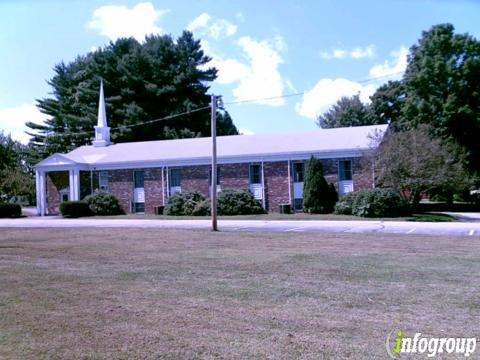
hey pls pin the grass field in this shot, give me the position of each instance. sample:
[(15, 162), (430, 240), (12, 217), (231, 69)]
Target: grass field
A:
[(430, 217), (158, 294)]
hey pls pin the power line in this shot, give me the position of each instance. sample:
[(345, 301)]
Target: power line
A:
[(303, 92), (265, 98), (169, 117)]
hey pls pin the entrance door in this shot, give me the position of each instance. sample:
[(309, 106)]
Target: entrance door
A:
[(255, 186), (298, 176), (138, 192), (175, 181), (345, 182)]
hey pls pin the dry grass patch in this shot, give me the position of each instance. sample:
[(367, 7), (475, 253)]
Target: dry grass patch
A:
[(166, 294)]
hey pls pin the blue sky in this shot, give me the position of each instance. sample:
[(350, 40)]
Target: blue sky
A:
[(261, 48)]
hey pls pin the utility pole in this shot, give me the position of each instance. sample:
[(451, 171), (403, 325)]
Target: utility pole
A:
[(213, 195)]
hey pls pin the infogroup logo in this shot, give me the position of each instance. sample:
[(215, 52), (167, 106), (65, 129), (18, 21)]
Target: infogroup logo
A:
[(431, 346)]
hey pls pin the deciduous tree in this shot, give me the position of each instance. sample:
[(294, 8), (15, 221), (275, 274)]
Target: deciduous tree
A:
[(348, 111), (413, 162)]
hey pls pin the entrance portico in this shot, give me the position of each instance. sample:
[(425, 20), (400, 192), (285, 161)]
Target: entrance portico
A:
[(57, 162)]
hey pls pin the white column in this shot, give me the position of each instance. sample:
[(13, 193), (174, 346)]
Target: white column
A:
[(71, 185), (263, 187), (37, 190), (41, 196), (163, 187), (290, 185), (168, 183), (75, 184)]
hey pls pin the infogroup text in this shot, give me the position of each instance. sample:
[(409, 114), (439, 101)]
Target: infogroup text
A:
[(432, 346)]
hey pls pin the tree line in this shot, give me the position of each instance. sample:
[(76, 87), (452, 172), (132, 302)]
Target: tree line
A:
[(438, 94), (434, 115)]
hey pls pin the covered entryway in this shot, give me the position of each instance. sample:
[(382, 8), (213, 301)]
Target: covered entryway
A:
[(56, 163)]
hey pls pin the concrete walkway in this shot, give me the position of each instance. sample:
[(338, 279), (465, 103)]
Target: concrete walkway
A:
[(388, 227)]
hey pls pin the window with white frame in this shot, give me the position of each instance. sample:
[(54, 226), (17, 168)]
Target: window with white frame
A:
[(103, 181)]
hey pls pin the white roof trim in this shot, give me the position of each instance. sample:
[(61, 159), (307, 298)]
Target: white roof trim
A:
[(57, 160)]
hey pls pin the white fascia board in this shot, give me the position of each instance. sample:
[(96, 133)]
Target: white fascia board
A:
[(57, 161), (338, 154), (82, 167)]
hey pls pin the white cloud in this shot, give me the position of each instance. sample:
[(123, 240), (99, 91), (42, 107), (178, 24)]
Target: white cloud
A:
[(263, 78), (214, 28), (327, 92), (12, 120), (115, 21), (392, 69), (355, 53), (258, 76)]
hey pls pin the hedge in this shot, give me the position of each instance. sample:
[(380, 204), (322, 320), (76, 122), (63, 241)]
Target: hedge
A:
[(103, 203), (75, 209), (184, 203), (238, 202), (373, 203), (10, 210)]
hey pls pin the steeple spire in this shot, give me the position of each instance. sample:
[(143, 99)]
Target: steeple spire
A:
[(102, 131)]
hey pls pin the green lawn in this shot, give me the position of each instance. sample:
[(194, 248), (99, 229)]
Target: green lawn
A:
[(165, 294), (297, 216)]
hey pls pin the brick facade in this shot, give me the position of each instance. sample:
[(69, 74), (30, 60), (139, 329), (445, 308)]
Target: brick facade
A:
[(196, 178), (120, 184), (235, 176), (153, 189), (56, 181), (276, 184)]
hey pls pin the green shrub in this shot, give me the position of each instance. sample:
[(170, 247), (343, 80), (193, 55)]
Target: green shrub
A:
[(202, 208), (238, 202), (75, 209), (10, 210), (345, 205), (373, 203), (183, 203), (319, 197), (103, 203), (380, 203)]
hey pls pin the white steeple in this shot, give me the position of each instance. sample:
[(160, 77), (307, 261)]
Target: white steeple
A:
[(102, 131)]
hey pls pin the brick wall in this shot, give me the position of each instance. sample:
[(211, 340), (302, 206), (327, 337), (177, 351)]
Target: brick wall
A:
[(235, 176), (276, 184), (56, 181), (153, 189), (195, 178), (120, 184)]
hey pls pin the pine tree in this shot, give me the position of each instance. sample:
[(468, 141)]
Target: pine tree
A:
[(319, 197), (143, 81)]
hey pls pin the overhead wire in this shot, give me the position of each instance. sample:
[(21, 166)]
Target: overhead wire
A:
[(169, 117)]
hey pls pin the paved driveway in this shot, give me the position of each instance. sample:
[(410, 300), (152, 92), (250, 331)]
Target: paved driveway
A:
[(390, 227)]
